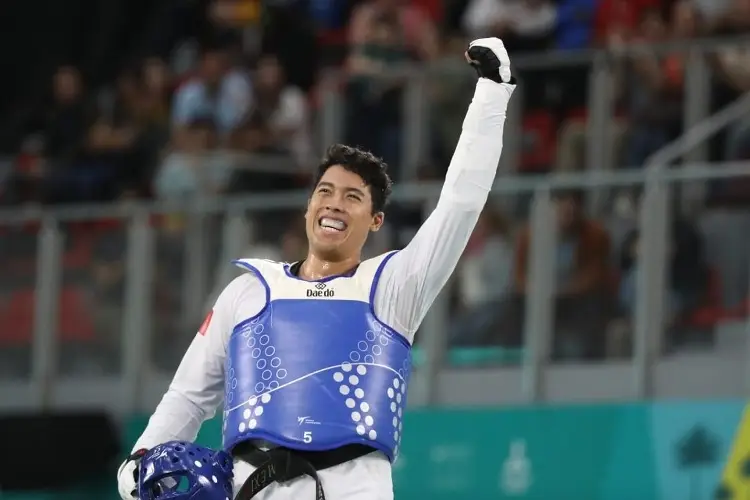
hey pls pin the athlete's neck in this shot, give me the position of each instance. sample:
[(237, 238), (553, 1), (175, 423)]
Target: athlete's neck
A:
[(315, 268)]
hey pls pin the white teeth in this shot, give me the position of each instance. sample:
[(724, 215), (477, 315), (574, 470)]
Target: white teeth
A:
[(329, 223)]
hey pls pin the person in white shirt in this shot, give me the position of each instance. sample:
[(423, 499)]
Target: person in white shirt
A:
[(312, 359)]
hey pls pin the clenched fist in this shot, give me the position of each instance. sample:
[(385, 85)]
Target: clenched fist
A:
[(490, 59)]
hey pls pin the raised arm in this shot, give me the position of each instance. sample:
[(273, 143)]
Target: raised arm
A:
[(413, 277)]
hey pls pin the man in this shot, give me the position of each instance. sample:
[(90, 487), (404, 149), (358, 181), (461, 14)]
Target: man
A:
[(218, 92), (583, 297), (312, 359)]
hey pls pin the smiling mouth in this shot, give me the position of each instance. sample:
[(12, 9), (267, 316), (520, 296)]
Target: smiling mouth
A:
[(331, 225)]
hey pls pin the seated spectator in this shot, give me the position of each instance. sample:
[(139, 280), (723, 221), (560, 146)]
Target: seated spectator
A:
[(733, 69), (616, 21), (582, 298), (384, 35), (415, 32), (522, 24), (450, 95), (194, 167), (64, 133), (218, 92), (573, 31), (282, 110), (574, 24), (687, 278), (125, 140), (293, 242), (157, 90), (656, 93), (23, 177), (236, 14), (715, 13), (289, 33), (484, 278)]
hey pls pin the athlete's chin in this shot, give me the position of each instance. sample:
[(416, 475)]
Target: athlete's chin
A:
[(327, 247)]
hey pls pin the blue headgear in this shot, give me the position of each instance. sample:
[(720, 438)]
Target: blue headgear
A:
[(185, 471)]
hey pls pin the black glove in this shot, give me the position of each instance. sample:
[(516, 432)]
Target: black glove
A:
[(490, 60)]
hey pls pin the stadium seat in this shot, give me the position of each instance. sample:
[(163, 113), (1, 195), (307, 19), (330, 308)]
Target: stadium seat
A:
[(539, 141), (74, 322), (711, 311)]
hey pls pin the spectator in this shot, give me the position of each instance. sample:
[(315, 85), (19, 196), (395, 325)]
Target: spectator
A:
[(289, 33), (61, 175), (450, 95), (733, 67), (157, 83), (714, 12), (582, 297), (235, 14), (294, 243), (617, 21), (69, 117), (484, 272), (281, 109), (573, 31), (218, 92), (522, 24), (195, 167), (655, 93), (687, 277), (384, 35), (120, 145), (484, 277), (574, 23), (414, 32)]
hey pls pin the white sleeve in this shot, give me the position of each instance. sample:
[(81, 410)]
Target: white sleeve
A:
[(411, 280), (197, 388)]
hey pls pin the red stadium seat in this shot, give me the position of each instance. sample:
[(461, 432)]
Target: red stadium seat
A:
[(711, 311), (539, 141), (17, 317)]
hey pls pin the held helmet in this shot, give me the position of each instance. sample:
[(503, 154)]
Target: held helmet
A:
[(185, 471)]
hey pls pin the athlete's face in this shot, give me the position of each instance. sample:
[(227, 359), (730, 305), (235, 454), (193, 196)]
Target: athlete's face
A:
[(339, 215)]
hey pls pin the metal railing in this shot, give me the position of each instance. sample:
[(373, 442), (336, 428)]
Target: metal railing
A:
[(133, 388), (601, 65), (126, 390)]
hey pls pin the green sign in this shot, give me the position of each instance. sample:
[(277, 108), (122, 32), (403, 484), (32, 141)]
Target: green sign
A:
[(664, 451)]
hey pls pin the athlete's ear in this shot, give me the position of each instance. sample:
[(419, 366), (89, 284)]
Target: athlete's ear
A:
[(377, 221)]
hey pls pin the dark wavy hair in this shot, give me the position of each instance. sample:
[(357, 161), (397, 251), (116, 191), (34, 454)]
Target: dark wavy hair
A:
[(372, 170)]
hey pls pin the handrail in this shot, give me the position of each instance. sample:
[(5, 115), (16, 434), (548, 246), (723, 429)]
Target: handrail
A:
[(700, 132), (557, 58), (578, 57), (405, 193)]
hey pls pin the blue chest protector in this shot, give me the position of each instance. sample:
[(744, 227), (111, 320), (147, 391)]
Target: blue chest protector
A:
[(316, 369)]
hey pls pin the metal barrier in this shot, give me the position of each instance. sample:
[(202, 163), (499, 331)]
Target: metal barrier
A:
[(139, 382), (220, 229), (601, 99)]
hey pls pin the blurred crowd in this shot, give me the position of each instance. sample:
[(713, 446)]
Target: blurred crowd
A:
[(234, 108)]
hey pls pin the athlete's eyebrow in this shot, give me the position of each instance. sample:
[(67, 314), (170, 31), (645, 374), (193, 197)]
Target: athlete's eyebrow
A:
[(348, 189)]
